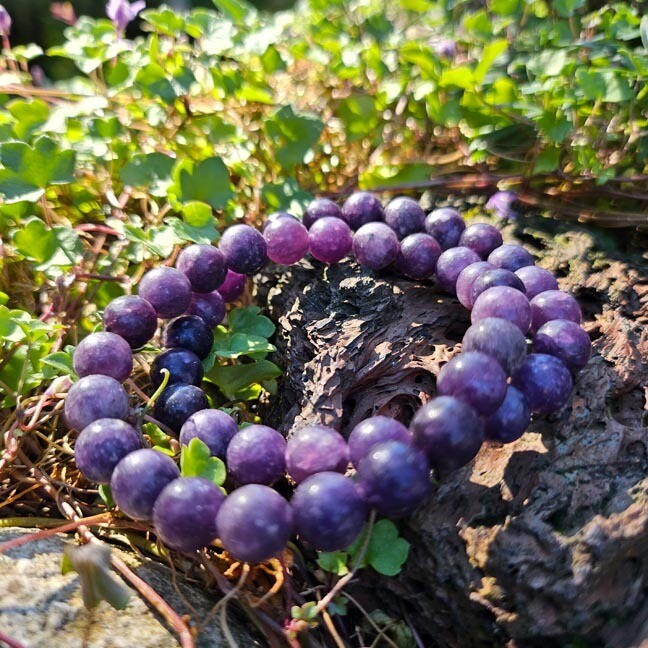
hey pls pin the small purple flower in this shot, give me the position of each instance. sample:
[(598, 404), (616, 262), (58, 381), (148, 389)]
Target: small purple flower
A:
[(5, 22), (121, 12), (500, 203), (445, 48)]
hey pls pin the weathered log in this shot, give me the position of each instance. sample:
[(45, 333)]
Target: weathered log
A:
[(544, 540)]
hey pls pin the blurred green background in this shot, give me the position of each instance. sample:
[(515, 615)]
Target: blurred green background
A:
[(39, 21), (33, 21)]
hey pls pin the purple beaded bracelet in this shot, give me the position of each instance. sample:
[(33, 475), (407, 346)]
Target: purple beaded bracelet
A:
[(487, 392)]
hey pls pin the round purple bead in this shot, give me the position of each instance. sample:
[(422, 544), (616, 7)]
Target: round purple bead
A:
[(257, 455), (132, 318), (503, 302), (254, 523), (474, 378), (449, 432), (510, 257), (451, 263), (167, 290), (330, 239), (495, 277), (418, 256), (375, 245), (328, 510), (545, 382), (404, 216), (509, 422), (244, 248), (210, 307), (287, 241), (315, 449), (394, 478), (445, 225), (372, 431), (204, 266), (467, 278), (499, 339), (139, 478), (213, 427), (481, 237), (184, 514), (361, 208), (233, 286), (321, 208), (565, 340), (103, 353), (274, 217), (552, 305), (536, 280), (102, 445)]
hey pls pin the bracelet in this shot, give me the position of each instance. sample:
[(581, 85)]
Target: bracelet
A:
[(488, 392)]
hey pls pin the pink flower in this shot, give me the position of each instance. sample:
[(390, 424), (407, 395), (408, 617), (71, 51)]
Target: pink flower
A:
[(5, 22), (445, 48), (500, 203), (122, 12)]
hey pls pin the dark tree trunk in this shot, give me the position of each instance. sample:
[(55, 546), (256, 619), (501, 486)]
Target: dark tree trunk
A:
[(541, 541)]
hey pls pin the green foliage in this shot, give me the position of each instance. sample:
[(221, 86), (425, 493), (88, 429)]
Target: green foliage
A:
[(196, 461), (92, 563), (386, 552)]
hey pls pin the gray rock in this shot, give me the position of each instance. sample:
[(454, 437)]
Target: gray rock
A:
[(41, 608)]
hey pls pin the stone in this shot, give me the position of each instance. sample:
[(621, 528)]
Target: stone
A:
[(40, 607)]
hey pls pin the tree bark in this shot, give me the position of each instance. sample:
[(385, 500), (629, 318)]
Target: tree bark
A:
[(544, 540)]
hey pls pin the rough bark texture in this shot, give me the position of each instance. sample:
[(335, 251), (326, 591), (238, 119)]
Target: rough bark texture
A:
[(543, 541)]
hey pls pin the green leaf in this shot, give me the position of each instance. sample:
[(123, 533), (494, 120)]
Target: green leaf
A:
[(460, 76), (386, 552), (643, 29), (92, 562), (165, 20), (292, 135), (548, 160), (238, 11), (604, 85), (106, 495), (158, 438), (61, 364), (29, 116), (234, 345), (232, 379), (335, 562), (555, 125), (248, 320), (151, 170), (548, 63), (306, 612), (207, 181), (196, 461), (359, 114), (567, 8), (55, 246), (491, 52), (286, 196), (29, 171), (395, 175), (505, 7)]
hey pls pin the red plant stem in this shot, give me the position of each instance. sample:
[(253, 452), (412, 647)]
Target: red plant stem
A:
[(70, 526), (104, 229), (11, 643), (152, 597)]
